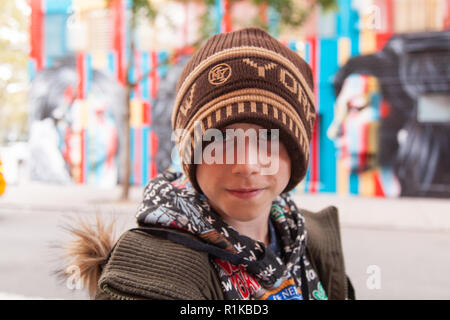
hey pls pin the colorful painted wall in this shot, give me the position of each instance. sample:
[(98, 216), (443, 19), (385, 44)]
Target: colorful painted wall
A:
[(349, 162), (89, 133), (341, 161)]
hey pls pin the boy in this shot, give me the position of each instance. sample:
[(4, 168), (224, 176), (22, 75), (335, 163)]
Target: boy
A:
[(227, 228)]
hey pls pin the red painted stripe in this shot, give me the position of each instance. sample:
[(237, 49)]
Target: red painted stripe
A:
[(381, 40), (153, 169), (447, 17), (119, 38), (81, 75), (314, 68), (385, 109), (153, 151), (37, 33), (263, 12), (378, 187), (227, 17), (146, 113), (383, 37), (314, 156), (389, 16), (154, 144)]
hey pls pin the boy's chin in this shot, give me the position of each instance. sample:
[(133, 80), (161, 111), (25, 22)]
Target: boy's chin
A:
[(242, 214)]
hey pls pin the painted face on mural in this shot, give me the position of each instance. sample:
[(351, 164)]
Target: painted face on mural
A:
[(355, 125), (243, 191)]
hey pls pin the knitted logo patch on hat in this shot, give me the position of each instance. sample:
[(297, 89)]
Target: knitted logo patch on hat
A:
[(219, 74)]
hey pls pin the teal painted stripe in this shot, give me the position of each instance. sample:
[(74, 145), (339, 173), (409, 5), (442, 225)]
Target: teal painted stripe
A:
[(347, 21), (354, 183), (308, 53), (55, 7), (218, 8), (132, 146), (376, 104), (145, 154), (31, 67), (164, 67), (112, 62), (145, 66), (89, 74), (327, 151)]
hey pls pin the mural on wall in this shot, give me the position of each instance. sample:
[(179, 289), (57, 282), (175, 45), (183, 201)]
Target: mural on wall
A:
[(355, 130), (63, 126), (370, 84), (384, 131)]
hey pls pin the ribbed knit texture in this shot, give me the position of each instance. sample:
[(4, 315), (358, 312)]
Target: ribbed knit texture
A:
[(253, 37), (149, 267)]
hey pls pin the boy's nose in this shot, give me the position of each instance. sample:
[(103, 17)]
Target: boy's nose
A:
[(246, 161), (245, 169)]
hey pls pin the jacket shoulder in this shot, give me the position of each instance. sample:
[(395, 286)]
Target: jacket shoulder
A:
[(324, 247), (149, 267)]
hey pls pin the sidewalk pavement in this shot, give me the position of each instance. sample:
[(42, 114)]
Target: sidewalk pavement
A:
[(422, 214)]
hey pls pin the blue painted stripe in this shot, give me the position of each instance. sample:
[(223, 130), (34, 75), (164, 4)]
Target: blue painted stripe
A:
[(145, 154), (112, 62), (354, 183), (89, 74), (55, 7), (48, 62), (132, 146), (218, 15), (31, 69), (327, 151), (376, 104), (308, 53), (164, 68), (145, 67)]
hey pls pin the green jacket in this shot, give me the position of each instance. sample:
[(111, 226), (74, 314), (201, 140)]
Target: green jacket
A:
[(143, 266)]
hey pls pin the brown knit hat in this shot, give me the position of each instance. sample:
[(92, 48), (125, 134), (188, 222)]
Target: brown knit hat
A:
[(246, 76)]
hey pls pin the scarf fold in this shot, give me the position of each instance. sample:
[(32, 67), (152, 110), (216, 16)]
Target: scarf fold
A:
[(247, 268)]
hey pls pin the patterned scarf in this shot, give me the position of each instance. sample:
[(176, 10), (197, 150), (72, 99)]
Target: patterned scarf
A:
[(248, 269)]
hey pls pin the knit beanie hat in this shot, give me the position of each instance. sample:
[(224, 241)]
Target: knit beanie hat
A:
[(246, 76)]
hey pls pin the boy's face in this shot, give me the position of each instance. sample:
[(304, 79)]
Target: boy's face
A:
[(243, 190)]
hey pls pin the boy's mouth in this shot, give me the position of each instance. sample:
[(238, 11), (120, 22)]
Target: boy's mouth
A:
[(245, 193)]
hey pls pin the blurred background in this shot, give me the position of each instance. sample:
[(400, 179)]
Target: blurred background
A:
[(86, 94)]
